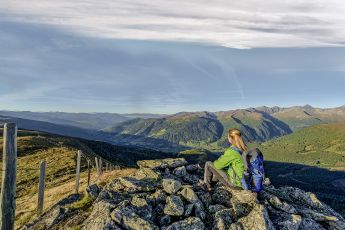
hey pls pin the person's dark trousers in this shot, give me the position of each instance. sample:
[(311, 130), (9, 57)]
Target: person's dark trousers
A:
[(213, 174)]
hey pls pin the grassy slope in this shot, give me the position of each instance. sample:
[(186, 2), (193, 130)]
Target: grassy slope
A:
[(60, 155), (319, 145), (313, 159)]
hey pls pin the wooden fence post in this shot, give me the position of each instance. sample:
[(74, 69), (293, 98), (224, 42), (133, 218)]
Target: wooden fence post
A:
[(41, 187), (88, 172), (100, 165), (8, 185), (107, 166), (78, 172), (97, 166)]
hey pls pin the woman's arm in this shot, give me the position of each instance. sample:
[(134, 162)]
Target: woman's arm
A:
[(225, 160)]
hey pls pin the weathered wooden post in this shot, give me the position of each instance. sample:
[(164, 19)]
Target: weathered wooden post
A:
[(41, 187), (107, 166), (88, 172), (97, 166), (77, 172), (100, 165), (8, 185)]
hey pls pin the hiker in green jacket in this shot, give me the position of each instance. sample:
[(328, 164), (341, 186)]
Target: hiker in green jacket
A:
[(228, 168)]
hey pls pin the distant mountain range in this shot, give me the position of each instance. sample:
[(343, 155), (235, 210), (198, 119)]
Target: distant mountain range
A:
[(182, 130), (209, 129), (93, 121)]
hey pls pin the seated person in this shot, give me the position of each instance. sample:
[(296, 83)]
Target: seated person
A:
[(229, 168)]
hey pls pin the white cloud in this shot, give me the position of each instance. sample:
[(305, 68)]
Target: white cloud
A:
[(238, 24)]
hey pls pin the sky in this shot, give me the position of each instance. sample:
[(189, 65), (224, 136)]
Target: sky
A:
[(157, 56)]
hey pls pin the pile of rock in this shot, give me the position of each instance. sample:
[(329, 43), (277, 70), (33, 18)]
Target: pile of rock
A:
[(164, 194)]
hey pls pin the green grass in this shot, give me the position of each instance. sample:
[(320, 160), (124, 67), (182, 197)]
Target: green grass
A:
[(319, 145), (83, 204), (312, 159), (60, 154)]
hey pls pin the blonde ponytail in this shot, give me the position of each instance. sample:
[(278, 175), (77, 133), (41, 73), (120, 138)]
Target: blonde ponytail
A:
[(236, 136)]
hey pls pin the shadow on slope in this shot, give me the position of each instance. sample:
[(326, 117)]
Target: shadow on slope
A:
[(328, 185)]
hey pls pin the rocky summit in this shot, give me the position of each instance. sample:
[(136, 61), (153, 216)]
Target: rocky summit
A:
[(164, 194)]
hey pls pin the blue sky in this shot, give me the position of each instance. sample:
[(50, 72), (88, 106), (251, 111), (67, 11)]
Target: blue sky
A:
[(100, 56)]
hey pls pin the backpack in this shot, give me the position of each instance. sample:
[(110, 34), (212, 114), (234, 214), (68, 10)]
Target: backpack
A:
[(253, 161)]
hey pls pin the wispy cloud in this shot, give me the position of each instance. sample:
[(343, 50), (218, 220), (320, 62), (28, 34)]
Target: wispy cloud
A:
[(237, 24)]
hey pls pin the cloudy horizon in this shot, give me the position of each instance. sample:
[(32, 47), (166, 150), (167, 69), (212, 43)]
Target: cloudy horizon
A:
[(152, 57)]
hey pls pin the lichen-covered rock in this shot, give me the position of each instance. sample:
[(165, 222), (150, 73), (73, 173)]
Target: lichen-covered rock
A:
[(242, 202), (192, 168), (188, 193), (200, 210), (180, 171), (93, 191), (215, 208), (159, 196), (165, 220), (283, 220), (162, 163), (309, 224), (100, 217), (277, 203), (174, 206), (146, 173), (166, 193), (171, 186), (257, 219), (222, 196), (191, 223), (188, 209), (222, 219), (143, 209), (191, 179), (125, 216), (132, 184)]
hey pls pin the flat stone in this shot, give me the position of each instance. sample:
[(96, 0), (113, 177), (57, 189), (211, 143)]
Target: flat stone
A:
[(162, 163), (191, 223), (180, 171), (132, 184)]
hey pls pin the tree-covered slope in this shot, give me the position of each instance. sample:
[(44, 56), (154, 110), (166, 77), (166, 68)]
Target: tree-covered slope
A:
[(313, 159), (202, 129)]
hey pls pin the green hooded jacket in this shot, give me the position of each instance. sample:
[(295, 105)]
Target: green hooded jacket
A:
[(232, 161)]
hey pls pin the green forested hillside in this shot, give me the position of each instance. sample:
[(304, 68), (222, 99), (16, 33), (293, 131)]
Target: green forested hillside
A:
[(313, 159), (318, 145), (200, 129)]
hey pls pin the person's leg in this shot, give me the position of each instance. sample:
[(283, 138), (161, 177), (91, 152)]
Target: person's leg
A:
[(216, 174), (208, 174)]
